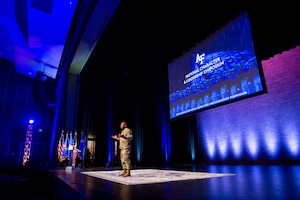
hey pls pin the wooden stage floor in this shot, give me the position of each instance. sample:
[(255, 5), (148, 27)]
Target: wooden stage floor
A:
[(259, 182), (250, 182)]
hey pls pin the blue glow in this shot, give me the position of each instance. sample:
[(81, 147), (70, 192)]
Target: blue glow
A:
[(270, 140), (31, 121), (192, 146), (260, 176), (223, 146), (110, 146), (252, 143), (211, 148), (34, 45), (292, 138), (236, 144), (164, 145), (166, 142), (139, 141), (165, 137)]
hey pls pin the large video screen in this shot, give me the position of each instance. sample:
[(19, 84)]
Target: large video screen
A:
[(220, 70)]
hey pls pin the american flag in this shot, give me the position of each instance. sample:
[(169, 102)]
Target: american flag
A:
[(60, 148)]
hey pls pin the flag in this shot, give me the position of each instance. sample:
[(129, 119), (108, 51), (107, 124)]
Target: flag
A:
[(71, 142), (75, 139), (66, 146), (71, 149), (82, 145), (60, 148)]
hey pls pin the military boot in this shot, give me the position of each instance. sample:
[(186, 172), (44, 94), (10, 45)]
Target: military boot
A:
[(123, 173), (127, 173)]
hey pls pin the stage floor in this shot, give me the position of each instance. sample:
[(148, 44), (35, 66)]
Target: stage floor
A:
[(249, 182)]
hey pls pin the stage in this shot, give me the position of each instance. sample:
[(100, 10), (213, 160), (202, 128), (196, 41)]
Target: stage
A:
[(235, 182), (247, 182)]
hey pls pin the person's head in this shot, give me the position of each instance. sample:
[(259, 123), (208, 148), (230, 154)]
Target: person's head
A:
[(123, 124)]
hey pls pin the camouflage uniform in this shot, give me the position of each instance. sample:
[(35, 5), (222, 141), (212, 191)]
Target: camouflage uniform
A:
[(125, 147)]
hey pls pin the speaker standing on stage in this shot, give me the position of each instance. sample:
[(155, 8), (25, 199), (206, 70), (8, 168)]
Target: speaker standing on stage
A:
[(124, 139)]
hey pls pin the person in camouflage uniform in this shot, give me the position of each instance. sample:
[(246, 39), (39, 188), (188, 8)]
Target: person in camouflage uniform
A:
[(124, 138)]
